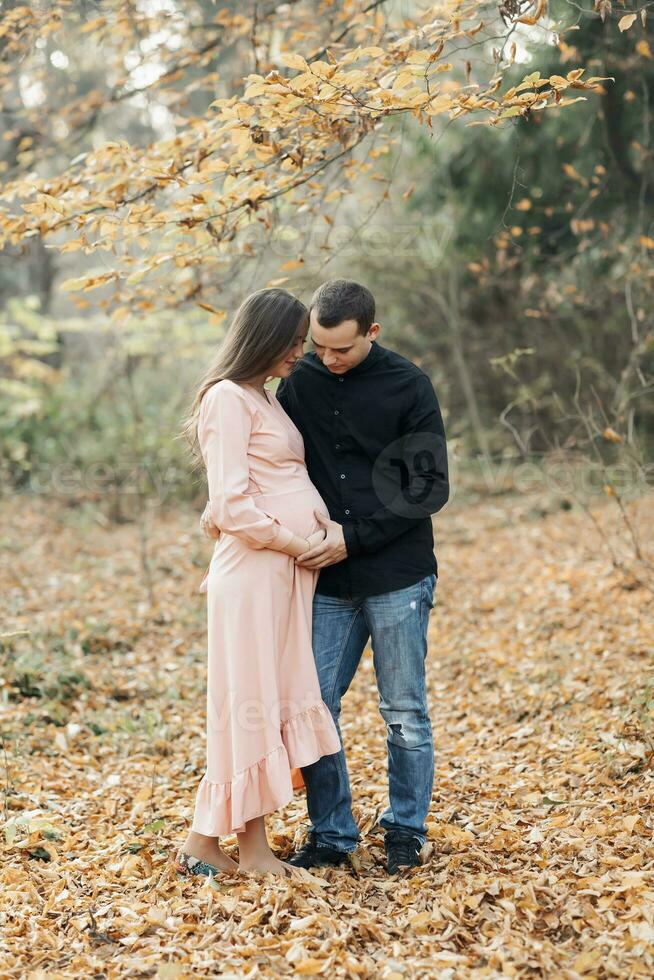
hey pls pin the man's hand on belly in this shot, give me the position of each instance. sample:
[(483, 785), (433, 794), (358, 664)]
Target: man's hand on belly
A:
[(328, 551)]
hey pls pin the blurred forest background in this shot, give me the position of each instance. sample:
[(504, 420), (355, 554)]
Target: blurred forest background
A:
[(513, 262)]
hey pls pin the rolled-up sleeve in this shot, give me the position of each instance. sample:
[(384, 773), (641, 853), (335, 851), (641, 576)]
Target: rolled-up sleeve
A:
[(224, 429)]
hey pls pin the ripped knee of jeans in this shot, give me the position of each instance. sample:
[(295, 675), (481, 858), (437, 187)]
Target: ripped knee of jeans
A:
[(409, 732), (396, 729)]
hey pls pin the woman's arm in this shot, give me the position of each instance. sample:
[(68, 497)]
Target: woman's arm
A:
[(224, 428)]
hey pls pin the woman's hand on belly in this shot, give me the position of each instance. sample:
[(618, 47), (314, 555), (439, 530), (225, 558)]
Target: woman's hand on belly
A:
[(314, 539), (299, 545), (296, 546), (317, 537)]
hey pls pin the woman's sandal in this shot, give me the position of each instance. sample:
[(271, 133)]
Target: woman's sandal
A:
[(185, 865)]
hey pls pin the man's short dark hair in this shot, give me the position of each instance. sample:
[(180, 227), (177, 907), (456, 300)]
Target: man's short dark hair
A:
[(343, 299)]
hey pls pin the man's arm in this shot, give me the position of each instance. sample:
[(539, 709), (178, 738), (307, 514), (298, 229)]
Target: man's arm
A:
[(411, 477)]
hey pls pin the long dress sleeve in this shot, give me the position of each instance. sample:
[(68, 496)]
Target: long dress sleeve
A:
[(224, 428)]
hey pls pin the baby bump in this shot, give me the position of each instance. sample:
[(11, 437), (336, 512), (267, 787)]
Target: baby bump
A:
[(294, 509)]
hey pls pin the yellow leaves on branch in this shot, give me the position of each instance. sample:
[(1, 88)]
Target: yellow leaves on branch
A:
[(625, 22), (217, 315), (531, 19), (551, 98), (294, 61), (277, 137), (628, 20), (557, 83), (87, 282)]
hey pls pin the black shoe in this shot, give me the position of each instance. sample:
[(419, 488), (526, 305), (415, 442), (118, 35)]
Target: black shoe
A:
[(401, 851), (312, 856)]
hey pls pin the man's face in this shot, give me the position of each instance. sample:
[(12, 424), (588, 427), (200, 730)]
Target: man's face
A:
[(343, 347)]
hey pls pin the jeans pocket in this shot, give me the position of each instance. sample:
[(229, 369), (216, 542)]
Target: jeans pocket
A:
[(428, 587)]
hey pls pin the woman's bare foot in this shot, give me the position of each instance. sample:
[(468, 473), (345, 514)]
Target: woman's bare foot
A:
[(208, 849), (254, 852)]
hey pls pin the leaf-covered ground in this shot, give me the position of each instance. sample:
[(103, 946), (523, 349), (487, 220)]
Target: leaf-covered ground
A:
[(539, 861)]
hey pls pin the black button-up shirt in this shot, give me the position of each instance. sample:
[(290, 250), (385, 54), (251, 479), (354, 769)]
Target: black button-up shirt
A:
[(375, 449)]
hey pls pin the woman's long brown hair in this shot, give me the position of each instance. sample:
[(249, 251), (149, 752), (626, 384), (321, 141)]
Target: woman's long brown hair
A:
[(262, 331)]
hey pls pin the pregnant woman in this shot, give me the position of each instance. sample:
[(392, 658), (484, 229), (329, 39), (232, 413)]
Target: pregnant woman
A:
[(265, 714)]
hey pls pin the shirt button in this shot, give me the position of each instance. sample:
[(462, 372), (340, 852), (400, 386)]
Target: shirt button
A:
[(347, 512), (335, 411), (340, 379), (337, 446), (342, 476)]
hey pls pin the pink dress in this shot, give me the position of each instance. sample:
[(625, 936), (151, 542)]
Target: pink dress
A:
[(265, 714)]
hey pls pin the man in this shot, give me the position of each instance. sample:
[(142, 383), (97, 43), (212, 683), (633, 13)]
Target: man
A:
[(375, 449)]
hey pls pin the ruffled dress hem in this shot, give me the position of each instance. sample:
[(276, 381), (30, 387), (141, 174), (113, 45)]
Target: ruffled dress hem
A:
[(265, 786)]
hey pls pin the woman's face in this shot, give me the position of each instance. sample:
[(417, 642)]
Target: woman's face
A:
[(283, 368)]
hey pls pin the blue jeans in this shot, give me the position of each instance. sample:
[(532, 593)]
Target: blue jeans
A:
[(396, 622)]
